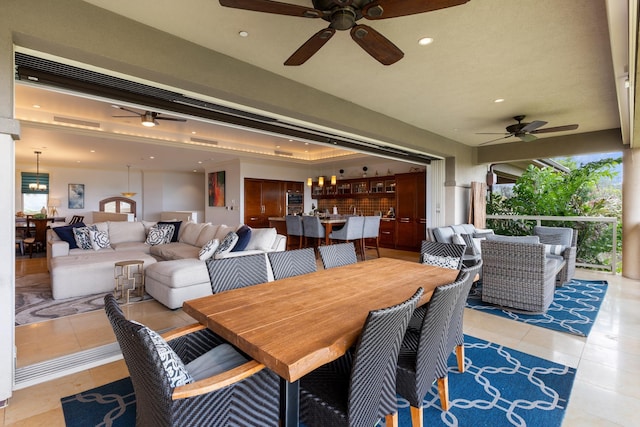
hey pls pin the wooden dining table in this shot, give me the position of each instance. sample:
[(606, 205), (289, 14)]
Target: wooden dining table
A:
[(300, 323)]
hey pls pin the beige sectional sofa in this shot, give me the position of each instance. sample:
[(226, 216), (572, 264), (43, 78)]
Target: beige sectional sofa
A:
[(78, 272)]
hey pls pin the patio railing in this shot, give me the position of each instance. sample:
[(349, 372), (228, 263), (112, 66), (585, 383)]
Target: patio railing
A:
[(612, 266)]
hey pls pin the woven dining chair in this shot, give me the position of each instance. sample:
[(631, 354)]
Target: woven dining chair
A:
[(292, 263), (295, 228), (423, 353), (338, 255), (167, 393), (237, 272), (358, 389)]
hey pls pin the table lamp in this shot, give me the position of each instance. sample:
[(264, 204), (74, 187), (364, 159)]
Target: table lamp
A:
[(53, 205)]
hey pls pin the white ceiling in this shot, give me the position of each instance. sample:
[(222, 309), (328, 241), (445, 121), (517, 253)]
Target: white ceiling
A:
[(548, 59)]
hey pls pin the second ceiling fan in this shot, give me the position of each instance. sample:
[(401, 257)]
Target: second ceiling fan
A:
[(343, 15), (148, 118)]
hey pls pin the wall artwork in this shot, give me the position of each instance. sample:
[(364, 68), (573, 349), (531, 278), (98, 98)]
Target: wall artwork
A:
[(216, 188), (76, 196)]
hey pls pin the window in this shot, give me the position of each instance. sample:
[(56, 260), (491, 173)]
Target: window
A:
[(118, 205), (34, 202)]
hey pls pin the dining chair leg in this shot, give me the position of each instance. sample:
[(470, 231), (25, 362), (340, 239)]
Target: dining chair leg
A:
[(460, 358), (391, 420), (443, 392), (417, 419)]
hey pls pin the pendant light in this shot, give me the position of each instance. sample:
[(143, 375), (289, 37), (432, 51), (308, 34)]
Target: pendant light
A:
[(36, 186), (128, 194)]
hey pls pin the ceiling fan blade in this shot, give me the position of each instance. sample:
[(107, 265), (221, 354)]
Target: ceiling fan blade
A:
[(383, 9), (171, 118), (533, 126), (276, 7), (125, 116), (310, 47), (497, 139), (556, 129), (376, 45), (130, 111), (493, 133), (527, 137)]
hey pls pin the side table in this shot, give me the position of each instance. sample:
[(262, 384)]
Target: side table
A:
[(129, 279)]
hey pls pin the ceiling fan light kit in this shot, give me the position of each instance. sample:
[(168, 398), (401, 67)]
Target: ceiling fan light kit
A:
[(343, 15)]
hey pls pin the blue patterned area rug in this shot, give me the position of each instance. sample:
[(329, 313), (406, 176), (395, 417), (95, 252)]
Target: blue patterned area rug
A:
[(574, 308), (500, 387)]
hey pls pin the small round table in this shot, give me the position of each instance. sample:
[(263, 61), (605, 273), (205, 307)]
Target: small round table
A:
[(129, 279)]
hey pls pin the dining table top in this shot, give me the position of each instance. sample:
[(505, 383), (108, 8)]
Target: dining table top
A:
[(300, 323)]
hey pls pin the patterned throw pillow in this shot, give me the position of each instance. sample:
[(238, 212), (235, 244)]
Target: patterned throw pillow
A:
[(99, 240), (175, 228), (208, 249), (159, 235), (173, 365), (227, 244), (554, 249), (81, 234), (441, 261)]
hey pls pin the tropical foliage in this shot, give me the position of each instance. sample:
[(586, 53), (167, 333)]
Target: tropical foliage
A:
[(584, 191)]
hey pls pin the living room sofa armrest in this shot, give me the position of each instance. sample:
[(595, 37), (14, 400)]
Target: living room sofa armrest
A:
[(280, 243), (58, 248)]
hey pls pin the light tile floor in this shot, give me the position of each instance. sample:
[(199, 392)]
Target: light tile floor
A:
[(606, 391)]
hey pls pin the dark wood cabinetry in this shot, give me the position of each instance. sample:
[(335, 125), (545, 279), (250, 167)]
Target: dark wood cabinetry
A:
[(355, 187), (387, 233), (264, 198), (410, 210)]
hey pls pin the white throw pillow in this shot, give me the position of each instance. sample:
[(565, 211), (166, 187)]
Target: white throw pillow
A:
[(261, 239), (99, 239), (457, 239), (554, 249), (441, 261), (208, 249)]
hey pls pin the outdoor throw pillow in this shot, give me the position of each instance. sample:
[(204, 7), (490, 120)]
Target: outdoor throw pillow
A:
[(226, 245), (65, 233), (81, 234), (554, 249), (176, 228), (159, 235), (441, 261), (208, 249), (244, 236), (99, 239), (215, 361), (173, 365), (457, 239)]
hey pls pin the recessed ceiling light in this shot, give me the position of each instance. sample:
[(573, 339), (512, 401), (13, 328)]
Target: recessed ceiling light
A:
[(92, 151), (277, 146), (152, 157), (36, 106), (193, 132), (199, 162), (425, 41), (499, 100), (243, 34), (306, 143)]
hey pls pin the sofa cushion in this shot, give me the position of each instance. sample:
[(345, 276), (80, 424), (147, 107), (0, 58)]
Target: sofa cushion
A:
[(219, 359), (443, 234), (223, 230), (126, 231), (262, 239), (207, 234), (244, 235), (554, 249), (179, 273), (514, 239), (66, 233), (457, 239), (172, 251), (176, 228), (208, 249), (190, 233)]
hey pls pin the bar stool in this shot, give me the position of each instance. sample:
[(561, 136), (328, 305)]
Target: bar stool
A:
[(295, 228)]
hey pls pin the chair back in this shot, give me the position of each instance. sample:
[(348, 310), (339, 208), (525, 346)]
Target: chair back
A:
[(312, 226), (292, 263), (352, 229), (338, 255), (372, 393), (237, 272), (76, 219), (294, 225), (371, 227), (442, 254), (151, 384), (424, 352), (564, 236)]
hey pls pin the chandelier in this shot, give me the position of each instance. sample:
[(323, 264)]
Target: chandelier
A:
[(36, 186)]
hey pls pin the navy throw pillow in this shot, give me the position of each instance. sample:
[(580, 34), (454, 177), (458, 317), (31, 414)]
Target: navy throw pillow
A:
[(65, 233), (244, 235), (176, 224)]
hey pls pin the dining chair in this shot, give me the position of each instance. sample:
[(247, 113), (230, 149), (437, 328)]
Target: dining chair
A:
[(448, 255), (292, 263), (190, 376), (313, 229), (423, 353), (358, 389), (371, 230), (351, 232), (237, 272), (29, 239), (295, 228), (338, 255)]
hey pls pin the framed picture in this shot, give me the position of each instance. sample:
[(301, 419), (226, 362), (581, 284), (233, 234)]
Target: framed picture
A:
[(76, 196), (216, 188)]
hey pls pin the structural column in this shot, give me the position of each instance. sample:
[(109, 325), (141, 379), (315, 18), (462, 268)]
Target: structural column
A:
[(631, 213)]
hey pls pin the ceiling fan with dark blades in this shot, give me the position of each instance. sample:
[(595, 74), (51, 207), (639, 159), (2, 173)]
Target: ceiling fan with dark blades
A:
[(526, 131), (342, 15), (149, 118)]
